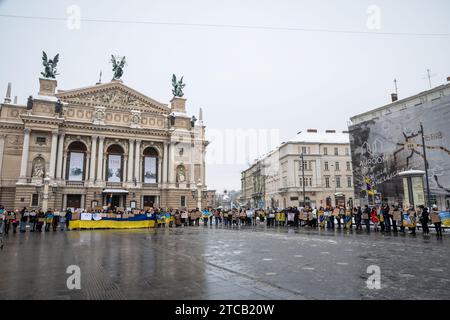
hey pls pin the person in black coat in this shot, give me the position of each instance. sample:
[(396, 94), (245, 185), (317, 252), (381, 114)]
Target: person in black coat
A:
[(424, 219)]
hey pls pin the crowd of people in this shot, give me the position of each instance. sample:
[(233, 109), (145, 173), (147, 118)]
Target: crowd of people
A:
[(379, 219)]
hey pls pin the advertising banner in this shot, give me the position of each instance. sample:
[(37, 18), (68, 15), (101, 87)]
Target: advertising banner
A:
[(390, 143), (76, 166), (149, 170), (114, 168)]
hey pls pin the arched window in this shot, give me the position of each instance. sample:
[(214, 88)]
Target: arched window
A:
[(150, 165), (114, 172), (76, 161)]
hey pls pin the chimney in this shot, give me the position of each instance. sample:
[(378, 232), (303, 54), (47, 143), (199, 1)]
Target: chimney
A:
[(330, 131), (15, 99), (312, 130), (394, 97), (8, 93)]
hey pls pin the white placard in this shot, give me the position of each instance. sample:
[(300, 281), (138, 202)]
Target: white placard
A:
[(76, 166), (86, 216), (97, 216)]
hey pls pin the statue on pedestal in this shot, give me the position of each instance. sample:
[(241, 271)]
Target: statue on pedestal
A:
[(49, 65), (118, 65), (177, 86)]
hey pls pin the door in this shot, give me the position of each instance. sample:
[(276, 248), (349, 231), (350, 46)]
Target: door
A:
[(149, 201), (74, 201)]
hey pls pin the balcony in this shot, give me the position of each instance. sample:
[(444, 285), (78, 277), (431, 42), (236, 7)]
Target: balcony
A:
[(114, 184), (74, 183), (150, 185)]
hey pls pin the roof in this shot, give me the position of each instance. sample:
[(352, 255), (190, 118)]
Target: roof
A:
[(321, 137), (400, 101)]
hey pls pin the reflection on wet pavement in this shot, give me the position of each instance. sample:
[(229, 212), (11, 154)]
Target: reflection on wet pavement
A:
[(219, 263)]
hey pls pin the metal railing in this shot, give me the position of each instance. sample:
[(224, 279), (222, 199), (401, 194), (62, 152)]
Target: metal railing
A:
[(74, 183)]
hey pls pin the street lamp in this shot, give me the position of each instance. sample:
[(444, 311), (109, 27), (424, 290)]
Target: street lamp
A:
[(45, 195), (303, 178), (426, 166), (199, 192)]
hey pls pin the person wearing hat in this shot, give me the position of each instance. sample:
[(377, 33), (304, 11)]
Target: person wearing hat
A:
[(436, 220)]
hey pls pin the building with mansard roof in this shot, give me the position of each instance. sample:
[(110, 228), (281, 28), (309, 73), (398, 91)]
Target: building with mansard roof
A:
[(101, 145)]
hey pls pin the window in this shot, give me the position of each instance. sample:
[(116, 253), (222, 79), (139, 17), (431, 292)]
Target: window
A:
[(34, 200), (307, 181), (326, 166), (347, 152), (325, 151), (338, 182), (183, 201), (336, 151), (349, 182), (336, 166), (327, 182), (348, 166), (40, 140), (304, 150)]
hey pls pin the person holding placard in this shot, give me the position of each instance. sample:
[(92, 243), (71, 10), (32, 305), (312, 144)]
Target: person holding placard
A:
[(396, 218), (424, 219), (436, 220), (366, 217)]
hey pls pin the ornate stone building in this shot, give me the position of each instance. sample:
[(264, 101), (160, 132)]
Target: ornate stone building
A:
[(105, 144)]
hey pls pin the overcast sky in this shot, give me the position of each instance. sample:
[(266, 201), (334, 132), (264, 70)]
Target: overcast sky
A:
[(254, 78)]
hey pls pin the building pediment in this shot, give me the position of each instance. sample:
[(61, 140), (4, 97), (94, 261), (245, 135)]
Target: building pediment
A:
[(114, 95)]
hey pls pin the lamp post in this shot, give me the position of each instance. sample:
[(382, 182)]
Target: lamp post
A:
[(303, 178), (426, 166), (197, 191), (45, 194)]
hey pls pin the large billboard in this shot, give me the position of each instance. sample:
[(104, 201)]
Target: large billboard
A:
[(386, 145)]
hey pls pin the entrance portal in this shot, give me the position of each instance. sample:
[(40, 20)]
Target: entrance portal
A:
[(149, 201), (74, 201)]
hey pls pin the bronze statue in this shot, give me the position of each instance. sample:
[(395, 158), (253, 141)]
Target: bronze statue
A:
[(177, 86), (49, 65), (30, 103), (58, 107), (118, 65)]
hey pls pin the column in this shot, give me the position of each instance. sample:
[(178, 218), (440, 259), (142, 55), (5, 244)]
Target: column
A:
[(100, 159), (171, 163), (93, 159), (137, 161), (59, 160), (25, 149), (64, 202), (164, 164), (53, 155), (125, 165), (130, 160), (160, 170), (2, 148)]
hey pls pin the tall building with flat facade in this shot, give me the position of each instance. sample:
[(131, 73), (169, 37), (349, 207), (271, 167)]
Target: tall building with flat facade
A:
[(100, 145), (278, 179), (387, 141)]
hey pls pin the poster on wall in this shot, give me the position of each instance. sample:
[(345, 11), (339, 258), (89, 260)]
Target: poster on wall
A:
[(76, 166), (384, 147), (150, 170), (114, 168)]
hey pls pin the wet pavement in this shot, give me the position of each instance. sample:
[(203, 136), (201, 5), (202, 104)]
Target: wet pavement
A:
[(220, 263)]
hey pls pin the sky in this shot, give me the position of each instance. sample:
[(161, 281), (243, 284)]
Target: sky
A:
[(259, 69)]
